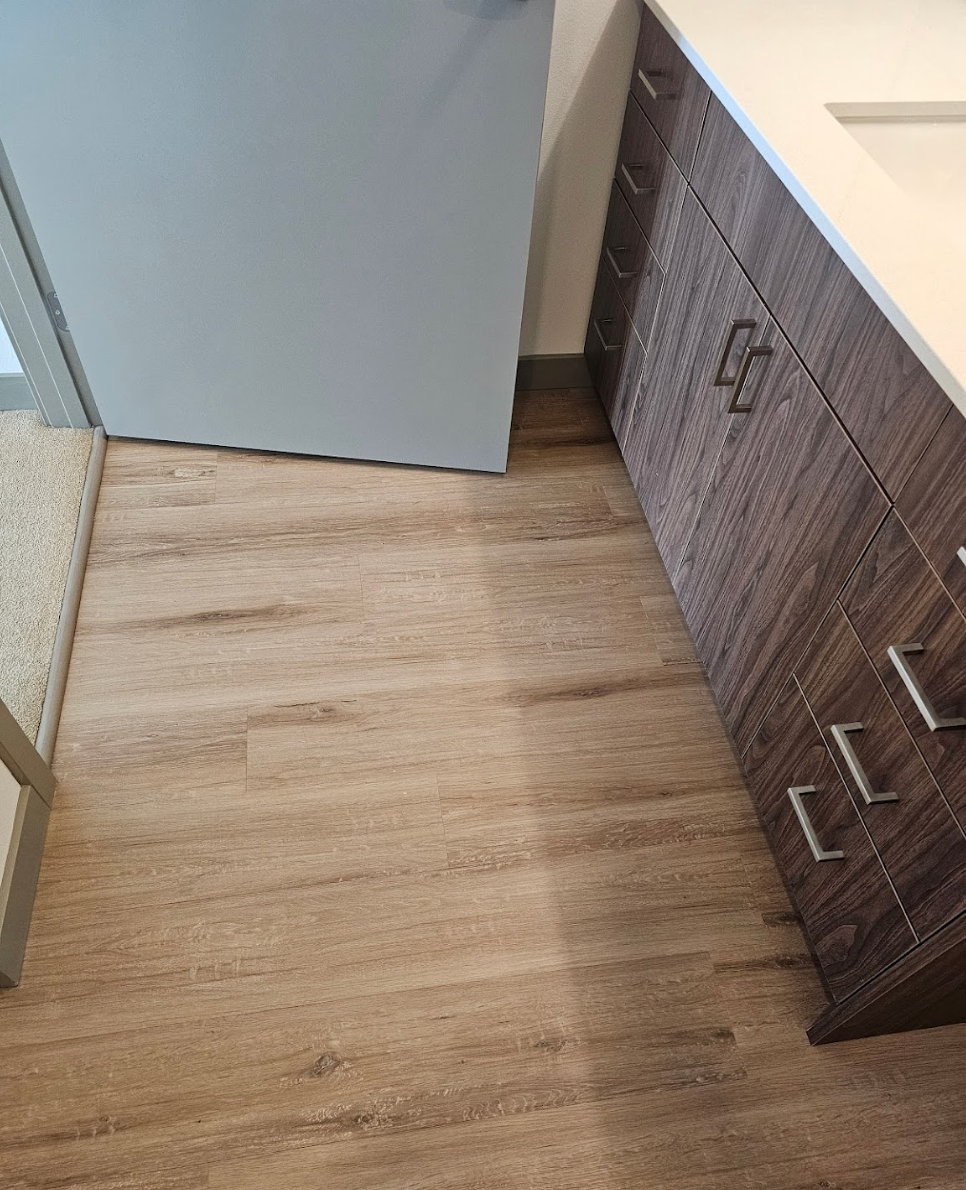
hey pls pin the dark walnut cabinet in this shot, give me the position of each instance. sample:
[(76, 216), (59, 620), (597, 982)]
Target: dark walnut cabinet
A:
[(789, 510), (681, 414), (805, 481), (854, 920), (885, 398)]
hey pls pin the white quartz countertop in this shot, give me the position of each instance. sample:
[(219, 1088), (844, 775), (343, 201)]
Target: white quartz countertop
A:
[(776, 65)]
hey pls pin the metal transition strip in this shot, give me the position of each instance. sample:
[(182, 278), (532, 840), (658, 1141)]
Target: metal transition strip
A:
[(63, 641)]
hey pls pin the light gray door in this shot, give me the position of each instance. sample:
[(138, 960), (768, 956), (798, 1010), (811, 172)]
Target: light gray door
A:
[(296, 225)]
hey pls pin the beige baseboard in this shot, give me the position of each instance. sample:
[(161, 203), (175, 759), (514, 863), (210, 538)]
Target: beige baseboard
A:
[(552, 371)]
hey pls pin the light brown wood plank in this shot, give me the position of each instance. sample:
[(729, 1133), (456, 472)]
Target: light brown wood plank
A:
[(398, 844), (326, 941), (143, 477), (370, 1066)]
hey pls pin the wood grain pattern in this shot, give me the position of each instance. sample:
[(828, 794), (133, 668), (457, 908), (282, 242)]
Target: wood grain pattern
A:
[(933, 504), (678, 112), (790, 509), (398, 843), (635, 270), (650, 181), (617, 373), (888, 402), (895, 598), (917, 837), (851, 913), (681, 418), (925, 991), (608, 338)]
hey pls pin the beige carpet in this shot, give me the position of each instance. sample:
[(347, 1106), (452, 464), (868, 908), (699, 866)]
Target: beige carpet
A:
[(42, 475)]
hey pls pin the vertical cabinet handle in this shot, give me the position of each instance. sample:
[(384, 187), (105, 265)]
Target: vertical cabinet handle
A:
[(611, 254), (795, 796), (840, 733), (599, 324), (897, 655), (961, 554), (751, 354), (626, 170), (721, 380), (655, 92), (737, 382)]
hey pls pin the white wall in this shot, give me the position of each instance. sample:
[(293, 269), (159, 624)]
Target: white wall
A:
[(8, 357), (590, 70)]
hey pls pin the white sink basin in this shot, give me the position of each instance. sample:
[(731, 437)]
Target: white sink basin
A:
[(921, 146)]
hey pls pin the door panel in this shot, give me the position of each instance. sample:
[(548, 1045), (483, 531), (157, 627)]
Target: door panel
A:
[(682, 417), (790, 508), (851, 915), (888, 402), (286, 225)]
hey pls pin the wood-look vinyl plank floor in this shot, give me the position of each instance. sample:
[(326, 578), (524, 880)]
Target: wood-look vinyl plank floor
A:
[(398, 844)]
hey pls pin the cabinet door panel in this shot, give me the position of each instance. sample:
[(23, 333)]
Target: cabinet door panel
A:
[(888, 402), (650, 181), (933, 504), (670, 91), (681, 416), (894, 599), (917, 837), (851, 915), (790, 509), (635, 270)]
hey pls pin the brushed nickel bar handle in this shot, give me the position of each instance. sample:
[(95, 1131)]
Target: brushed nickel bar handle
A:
[(840, 733), (751, 354), (621, 275), (933, 721), (795, 795), (737, 324), (599, 324), (635, 189), (651, 89)]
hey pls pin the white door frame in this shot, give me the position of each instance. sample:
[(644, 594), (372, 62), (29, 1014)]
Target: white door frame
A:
[(28, 322)]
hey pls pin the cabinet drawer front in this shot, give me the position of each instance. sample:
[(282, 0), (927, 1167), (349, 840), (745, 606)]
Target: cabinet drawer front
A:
[(790, 509), (628, 384), (709, 316), (670, 91), (894, 601), (851, 915), (884, 396), (615, 355), (917, 837), (933, 505), (634, 269), (650, 181)]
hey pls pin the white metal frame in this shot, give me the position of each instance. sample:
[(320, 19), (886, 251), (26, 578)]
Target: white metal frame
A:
[(25, 315)]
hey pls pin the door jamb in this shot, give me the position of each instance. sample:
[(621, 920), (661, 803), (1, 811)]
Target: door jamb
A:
[(24, 312)]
